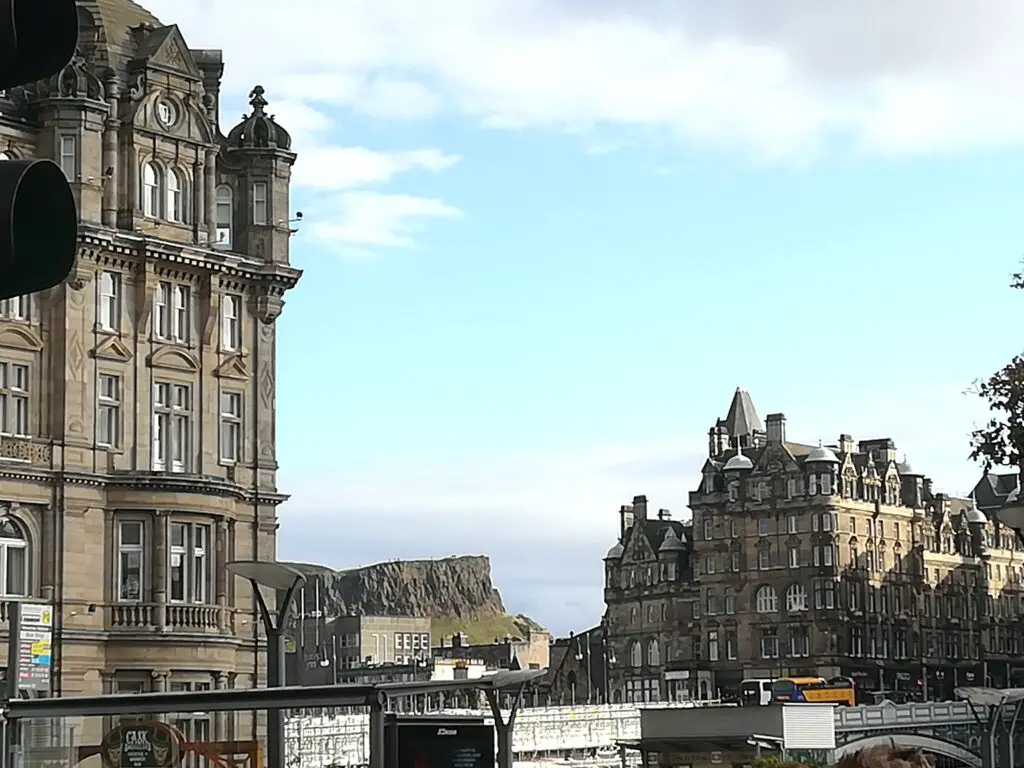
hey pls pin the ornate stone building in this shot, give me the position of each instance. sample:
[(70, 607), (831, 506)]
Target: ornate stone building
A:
[(813, 559), (137, 436)]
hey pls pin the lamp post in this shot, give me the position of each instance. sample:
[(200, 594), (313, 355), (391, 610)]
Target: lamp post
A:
[(581, 655), (278, 577)]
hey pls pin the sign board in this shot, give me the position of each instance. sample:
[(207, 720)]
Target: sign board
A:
[(441, 744), (141, 745), (35, 639)]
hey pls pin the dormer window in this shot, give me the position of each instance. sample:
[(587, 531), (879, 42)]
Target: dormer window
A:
[(260, 207), (225, 215), (150, 190)]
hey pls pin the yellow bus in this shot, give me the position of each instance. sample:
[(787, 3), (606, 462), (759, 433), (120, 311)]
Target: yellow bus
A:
[(815, 690)]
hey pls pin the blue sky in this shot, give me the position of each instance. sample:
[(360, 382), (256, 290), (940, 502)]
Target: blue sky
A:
[(543, 245)]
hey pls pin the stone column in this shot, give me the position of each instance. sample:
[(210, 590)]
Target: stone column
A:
[(110, 182), (198, 197), (211, 194), (220, 719), (160, 555), (221, 585)]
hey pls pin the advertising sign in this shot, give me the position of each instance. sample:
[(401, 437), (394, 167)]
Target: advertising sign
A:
[(141, 745), (35, 639), (444, 745)]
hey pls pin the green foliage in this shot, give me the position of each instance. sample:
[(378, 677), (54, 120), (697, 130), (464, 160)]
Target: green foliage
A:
[(1000, 441)]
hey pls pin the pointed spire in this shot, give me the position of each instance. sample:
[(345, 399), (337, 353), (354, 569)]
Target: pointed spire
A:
[(742, 418)]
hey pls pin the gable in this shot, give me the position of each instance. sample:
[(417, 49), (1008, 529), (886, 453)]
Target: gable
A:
[(19, 337), (170, 52), (173, 359), (232, 368), (112, 348)]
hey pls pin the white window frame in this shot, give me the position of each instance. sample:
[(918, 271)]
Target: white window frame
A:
[(172, 426), (162, 310), (260, 203), (128, 548), (109, 314), (191, 551), (766, 599), (14, 399), (231, 322), (16, 308), (225, 215), (794, 557), (108, 410), (175, 196), (17, 541), (231, 415), (713, 645), (68, 151), (796, 598), (182, 322), (152, 190), (764, 559)]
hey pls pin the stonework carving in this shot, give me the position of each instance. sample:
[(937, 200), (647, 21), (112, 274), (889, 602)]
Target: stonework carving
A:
[(269, 308), (25, 450), (18, 337), (75, 81)]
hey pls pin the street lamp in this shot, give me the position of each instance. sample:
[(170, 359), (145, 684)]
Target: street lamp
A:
[(278, 577)]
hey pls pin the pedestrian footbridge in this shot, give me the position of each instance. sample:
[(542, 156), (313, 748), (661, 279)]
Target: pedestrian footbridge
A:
[(589, 735)]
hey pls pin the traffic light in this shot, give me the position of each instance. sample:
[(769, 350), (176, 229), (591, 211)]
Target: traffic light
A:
[(38, 219)]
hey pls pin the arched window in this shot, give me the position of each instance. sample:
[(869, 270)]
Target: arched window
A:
[(150, 190), (796, 598), (654, 654), (636, 655), (225, 214), (13, 560), (767, 600), (175, 196)]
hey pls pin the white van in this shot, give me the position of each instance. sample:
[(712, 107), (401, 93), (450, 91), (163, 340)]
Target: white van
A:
[(756, 692)]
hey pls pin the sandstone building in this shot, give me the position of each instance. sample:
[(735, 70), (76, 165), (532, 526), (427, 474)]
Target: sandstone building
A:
[(137, 435), (812, 559)]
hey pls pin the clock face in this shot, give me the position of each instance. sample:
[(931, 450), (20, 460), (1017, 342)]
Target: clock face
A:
[(165, 113)]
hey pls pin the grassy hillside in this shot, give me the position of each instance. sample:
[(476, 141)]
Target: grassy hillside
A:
[(483, 629)]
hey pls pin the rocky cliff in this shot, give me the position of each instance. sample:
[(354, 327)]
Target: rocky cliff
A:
[(453, 588)]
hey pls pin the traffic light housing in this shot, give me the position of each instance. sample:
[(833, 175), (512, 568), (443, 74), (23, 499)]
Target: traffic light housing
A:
[(38, 217)]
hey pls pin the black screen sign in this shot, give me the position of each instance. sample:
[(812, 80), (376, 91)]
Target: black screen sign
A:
[(444, 745)]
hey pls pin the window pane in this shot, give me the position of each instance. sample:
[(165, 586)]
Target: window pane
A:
[(17, 570), (131, 533), (131, 576)]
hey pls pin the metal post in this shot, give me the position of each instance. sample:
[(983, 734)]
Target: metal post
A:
[(274, 626), (377, 757), (12, 688), (504, 727)]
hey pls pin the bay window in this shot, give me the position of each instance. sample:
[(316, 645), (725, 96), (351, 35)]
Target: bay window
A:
[(189, 566), (130, 560)]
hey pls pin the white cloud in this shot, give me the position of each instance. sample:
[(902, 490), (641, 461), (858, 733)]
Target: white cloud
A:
[(775, 77), (337, 168), (361, 221)]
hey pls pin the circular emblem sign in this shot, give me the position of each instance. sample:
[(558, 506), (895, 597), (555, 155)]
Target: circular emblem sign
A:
[(141, 745)]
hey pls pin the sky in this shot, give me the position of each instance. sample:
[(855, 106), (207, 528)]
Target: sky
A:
[(545, 240)]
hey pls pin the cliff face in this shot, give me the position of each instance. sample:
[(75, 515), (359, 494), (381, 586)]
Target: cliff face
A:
[(453, 587)]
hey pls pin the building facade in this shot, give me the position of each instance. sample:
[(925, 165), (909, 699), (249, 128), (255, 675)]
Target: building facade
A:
[(835, 560), (137, 443)]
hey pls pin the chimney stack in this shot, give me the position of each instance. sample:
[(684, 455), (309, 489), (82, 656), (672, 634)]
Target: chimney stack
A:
[(846, 443), (664, 514), (625, 520), (776, 428), (640, 507)]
